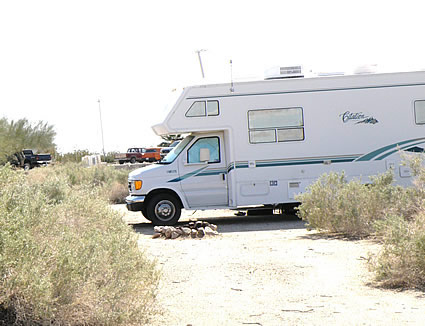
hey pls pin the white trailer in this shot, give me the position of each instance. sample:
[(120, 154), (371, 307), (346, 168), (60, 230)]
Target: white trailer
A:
[(258, 144)]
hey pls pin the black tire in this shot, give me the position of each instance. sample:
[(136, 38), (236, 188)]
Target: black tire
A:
[(145, 214), (163, 209), (121, 161), (27, 166), (133, 160), (291, 209)]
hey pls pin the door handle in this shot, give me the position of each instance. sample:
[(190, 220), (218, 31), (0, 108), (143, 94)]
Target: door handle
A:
[(223, 176)]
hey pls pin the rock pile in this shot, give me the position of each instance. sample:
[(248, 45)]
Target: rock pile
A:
[(198, 229)]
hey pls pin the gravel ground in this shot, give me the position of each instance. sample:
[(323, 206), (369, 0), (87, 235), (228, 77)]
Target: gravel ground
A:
[(270, 271)]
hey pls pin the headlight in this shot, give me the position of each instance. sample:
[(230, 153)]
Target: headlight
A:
[(138, 184)]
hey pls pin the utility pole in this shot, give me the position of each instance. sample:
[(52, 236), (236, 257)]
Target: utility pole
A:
[(101, 129), (200, 61)]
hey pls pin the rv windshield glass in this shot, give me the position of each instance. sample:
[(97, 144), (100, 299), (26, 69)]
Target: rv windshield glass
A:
[(171, 156)]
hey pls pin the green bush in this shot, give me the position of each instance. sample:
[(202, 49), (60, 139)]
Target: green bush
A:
[(401, 262), (66, 258), (395, 215), (336, 205)]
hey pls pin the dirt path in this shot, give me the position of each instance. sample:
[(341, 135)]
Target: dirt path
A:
[(271, 271)]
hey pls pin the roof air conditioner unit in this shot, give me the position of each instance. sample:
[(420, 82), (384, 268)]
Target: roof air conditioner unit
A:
[(284, 72)]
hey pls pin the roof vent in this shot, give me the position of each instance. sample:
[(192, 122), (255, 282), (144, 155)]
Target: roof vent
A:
[(365, 69), (284, 72)]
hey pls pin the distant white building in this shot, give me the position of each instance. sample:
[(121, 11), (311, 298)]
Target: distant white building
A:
[(91, 160)]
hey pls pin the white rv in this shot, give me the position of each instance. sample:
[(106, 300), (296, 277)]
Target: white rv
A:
[(258, 144)]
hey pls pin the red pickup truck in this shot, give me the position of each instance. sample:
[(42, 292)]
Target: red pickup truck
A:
[(133, 155)]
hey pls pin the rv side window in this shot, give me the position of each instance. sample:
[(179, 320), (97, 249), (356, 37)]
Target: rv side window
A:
[(210, 143), (203, 108), (212, 108), (275, 125), (420, 112)]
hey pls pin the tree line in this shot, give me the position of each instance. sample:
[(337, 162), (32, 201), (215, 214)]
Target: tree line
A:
[(20, 134)]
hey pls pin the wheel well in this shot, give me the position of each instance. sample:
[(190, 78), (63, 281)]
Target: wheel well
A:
[(163, 191)]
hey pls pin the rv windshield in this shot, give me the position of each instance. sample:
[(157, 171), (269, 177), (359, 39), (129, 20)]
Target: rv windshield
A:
[(172, 155)]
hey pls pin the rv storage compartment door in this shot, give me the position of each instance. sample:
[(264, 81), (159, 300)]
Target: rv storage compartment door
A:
[(295, 187)]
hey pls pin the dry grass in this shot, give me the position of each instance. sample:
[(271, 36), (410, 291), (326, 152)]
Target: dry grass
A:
[(66, 258)]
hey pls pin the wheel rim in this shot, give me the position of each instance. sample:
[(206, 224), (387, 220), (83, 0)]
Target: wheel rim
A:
[(165, 210)]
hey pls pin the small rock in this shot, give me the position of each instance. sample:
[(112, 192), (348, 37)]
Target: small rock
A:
[(205, 224), (193, 233), (200, 233), (174, 235), (209, 231), (156, 235), (158, 229), (213, 227), (185, 231), (191, 225), (168, 233)]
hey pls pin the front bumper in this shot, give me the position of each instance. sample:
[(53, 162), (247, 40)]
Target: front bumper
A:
[(135, 203)]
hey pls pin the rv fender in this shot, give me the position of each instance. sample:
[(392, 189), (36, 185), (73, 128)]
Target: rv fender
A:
[(167, 191)]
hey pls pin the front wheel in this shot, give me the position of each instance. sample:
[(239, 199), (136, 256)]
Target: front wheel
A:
[(163, 209), (145, 213)]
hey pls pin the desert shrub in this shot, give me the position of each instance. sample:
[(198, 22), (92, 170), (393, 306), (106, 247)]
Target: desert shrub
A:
[(110, 182), (351, 207), (66, 258), (117, 192), (401, 262), (395, 215)]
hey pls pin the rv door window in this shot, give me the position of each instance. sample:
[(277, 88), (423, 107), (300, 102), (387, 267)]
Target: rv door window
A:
[(275, 125), (211, 143), (420, 112)]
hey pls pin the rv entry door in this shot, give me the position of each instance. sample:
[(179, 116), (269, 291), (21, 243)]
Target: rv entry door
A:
[(203, 174)]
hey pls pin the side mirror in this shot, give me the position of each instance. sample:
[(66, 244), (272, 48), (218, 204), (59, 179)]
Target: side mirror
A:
[(204, 155)]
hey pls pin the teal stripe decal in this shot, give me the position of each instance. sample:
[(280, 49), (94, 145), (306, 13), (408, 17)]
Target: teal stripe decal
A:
[(187, 175), (371, 155), (317, 160), (376, 155), (212, 172), (395, 151)]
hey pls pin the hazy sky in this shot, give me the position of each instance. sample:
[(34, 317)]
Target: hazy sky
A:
[(57, 58)]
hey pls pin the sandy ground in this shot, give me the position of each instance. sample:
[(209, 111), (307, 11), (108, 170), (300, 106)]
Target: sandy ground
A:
[(270, 271)]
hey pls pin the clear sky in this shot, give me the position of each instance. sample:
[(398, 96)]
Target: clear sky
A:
[(57, 58)]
